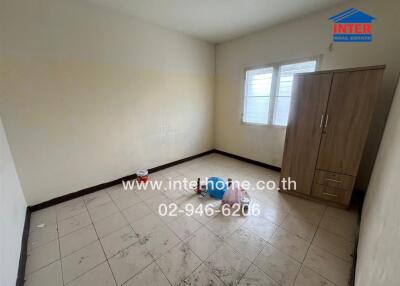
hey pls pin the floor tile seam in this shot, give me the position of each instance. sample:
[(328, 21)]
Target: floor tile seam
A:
[(104, 253), (309, 247), (75, 215)]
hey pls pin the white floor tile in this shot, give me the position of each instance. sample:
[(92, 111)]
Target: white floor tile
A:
[(74, 223), (204, 243), (307, 277), (99, 276), (255, 277), (41, 236), (77, 240), (118, 240), (178, 263), (228, 265), (129, 262), (110, 224), (329, 266), (261, 227), (82, 261), (103, 211), (277, 265), (50, 275), (246, 242), (151, 275), (290, 244), (42, 256), (203, 276)]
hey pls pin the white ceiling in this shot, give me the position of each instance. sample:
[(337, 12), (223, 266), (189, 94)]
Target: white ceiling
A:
[(217, 21)]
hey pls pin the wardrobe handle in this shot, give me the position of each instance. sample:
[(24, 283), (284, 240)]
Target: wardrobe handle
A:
[(322, 121), (328, 194), (326, 122), (333, 180)]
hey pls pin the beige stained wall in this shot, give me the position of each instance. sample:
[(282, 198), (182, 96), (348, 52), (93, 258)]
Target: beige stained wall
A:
[(88, 95), (306, 37), (378, 249)]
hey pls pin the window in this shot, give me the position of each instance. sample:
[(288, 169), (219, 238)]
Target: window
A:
[(268, 91), (258, 95)]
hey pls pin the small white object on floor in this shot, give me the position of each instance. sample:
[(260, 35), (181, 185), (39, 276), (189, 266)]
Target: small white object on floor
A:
[(41, 225)]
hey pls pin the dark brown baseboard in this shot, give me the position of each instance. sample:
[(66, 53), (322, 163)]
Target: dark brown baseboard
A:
[(254, 162), (168, 165), (93, 189), (96, 188), (79, 193), (353, 268), (24, 249)]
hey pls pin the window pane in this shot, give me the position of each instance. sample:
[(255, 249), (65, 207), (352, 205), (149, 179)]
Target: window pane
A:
[(257, 95), (256, 110), (282, 105), (284, 91)]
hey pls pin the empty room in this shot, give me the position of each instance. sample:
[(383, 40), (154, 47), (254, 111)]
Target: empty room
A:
[(199, 142)]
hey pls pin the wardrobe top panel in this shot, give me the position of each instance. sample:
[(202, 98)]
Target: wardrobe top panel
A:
[(344, 70)]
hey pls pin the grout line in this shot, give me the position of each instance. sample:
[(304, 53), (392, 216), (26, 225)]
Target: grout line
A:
[(80, 228), (181, 241), (75, 215), (312, 270), (261, 270), (315, 233), (338, 235), (162, 273), (158, 265), (27, 275), (82, 274), (87, 210), (308, 249), (98, 238), (59, 245), (59, 249), (152, 257), (327, 230), (80, 247), (184, 241), (282, 253), (247, 269), (45, 226), (30, 249)]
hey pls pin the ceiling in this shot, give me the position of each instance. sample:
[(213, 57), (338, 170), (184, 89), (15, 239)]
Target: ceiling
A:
[(217, 21)]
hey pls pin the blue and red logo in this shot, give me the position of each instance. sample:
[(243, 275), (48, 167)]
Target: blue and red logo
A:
[(352, 25)]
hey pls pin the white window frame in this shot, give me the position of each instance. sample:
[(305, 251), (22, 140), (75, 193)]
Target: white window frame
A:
[(274, 84)]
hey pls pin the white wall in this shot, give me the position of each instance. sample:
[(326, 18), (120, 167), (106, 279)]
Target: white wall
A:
[(378, 249), (88, 95), (12, 214), (306, 37)]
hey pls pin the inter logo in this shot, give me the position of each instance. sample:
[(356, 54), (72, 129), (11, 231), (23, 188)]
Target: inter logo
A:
[(352, 25)]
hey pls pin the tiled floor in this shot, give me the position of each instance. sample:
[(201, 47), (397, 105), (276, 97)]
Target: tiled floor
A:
[(117, 237)]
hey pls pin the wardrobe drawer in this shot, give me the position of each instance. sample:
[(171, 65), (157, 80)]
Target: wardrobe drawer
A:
[(334, 180), (331, 194)]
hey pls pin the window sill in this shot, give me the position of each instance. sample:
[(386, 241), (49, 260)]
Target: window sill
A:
[(263, 125)]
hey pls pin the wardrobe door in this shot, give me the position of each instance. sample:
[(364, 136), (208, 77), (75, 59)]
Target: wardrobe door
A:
[(350, 109), (303, 134)]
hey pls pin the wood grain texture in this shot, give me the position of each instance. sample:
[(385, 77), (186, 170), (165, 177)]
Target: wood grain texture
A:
[(335, 180), (309, 100), (350, 108), (331, 194)]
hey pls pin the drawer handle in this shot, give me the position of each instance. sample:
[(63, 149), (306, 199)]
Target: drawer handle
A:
[(331, 195), (333, 180)]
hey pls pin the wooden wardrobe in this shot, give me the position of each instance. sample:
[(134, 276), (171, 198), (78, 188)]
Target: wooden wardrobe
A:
[(330, 116)]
